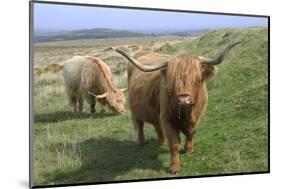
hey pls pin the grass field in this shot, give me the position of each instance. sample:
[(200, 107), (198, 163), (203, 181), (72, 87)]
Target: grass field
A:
[(232, 137)]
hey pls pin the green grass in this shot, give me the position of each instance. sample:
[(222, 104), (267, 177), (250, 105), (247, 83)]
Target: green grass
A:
[(232, 137)]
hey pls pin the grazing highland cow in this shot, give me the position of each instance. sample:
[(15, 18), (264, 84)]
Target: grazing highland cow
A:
[(91, 78), (171, 94)]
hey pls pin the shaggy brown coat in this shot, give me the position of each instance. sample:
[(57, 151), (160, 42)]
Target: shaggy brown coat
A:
[(91, 78), (153, 98)]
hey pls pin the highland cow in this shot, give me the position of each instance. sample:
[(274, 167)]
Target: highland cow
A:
[(170, 93), (90, 78)]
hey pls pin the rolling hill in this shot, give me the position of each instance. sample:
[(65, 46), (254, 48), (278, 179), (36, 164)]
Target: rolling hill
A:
[(103, 33), (98, 33)]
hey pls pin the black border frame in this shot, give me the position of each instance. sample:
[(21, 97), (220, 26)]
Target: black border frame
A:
[(31, 65)]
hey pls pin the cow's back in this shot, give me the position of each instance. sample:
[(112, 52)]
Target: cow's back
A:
[(144, 88), (96, 76), (72, 74)]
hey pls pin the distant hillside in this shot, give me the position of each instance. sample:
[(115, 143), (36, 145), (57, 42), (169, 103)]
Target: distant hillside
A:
[(98, 33), (103, 33), (189, 32)]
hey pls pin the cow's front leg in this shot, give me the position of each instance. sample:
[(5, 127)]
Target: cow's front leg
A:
[(73, 104), (102, 110), (80, 105), (160, 134), (172, 135), (140, 136), (92, 102), (188, 147), (103, 105)]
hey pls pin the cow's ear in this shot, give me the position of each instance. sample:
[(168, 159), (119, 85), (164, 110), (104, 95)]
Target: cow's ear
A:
[(208, 71)]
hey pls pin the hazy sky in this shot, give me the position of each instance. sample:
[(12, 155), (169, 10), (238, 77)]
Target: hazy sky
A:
[(69, 17)]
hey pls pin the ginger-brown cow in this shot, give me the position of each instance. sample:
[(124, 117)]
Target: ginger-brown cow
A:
[(170, 93)]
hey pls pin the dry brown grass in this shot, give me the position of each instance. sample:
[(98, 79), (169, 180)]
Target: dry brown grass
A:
[(57, 52), (46, 85), (50, 56)]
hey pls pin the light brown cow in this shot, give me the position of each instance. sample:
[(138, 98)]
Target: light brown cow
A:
[(90, 78), (171, 94)]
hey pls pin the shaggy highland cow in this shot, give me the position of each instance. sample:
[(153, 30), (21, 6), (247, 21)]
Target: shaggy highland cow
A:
[(90, 78), (171, 94)]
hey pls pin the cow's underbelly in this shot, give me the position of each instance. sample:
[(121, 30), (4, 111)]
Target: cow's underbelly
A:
[(145, 113)]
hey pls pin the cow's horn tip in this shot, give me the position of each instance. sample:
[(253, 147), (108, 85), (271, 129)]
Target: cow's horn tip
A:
[(112, 48)]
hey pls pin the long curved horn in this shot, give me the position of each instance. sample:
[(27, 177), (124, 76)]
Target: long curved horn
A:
[(142, 67), (123, 89), (99, 96), (219, 58)]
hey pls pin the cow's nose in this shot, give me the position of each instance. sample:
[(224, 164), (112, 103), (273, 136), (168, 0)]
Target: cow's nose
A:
[(184, 99)]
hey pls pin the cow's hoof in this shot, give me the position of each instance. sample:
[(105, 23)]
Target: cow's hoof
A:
[(174, 169), (141, 143), (75, 113), (162, 142), (188, 151)]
